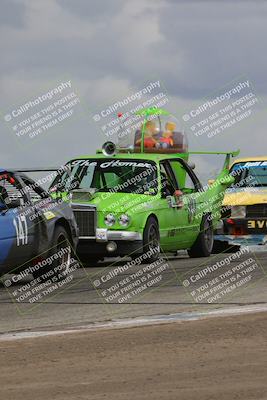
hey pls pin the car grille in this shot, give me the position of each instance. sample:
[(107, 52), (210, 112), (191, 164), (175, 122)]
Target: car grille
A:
[(257, 211), (86, 221)]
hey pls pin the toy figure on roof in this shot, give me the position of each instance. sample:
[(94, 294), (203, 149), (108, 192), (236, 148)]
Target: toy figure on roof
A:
[(166, 140), (150, 130)]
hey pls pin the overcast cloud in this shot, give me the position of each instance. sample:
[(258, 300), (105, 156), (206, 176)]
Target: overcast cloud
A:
[(108, 48)]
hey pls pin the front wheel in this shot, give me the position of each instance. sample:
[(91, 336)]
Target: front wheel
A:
[(59, 257), (204, 242), (151, 240)]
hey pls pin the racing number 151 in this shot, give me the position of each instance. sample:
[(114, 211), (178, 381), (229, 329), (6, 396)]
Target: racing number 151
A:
[(21, 227)]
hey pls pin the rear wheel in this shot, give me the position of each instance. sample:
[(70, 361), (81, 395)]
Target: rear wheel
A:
[(151, 240), (204, 242)]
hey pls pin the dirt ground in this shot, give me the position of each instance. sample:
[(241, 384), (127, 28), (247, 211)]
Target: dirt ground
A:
[(218, 358)]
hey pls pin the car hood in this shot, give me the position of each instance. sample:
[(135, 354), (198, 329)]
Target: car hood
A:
[(245, 196), (117, 202)]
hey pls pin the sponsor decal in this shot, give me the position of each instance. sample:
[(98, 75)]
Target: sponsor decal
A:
[(257, 224), (113, 163), (253, 164), (83, 163), (49, 215), (119, 163)]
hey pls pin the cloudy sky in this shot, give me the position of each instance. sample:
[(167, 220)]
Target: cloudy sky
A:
[(110, 48)]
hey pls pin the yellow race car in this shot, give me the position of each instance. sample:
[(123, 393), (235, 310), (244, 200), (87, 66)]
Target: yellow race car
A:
[(244, 210)]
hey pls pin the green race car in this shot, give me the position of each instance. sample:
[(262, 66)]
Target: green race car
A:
[(136, 200)]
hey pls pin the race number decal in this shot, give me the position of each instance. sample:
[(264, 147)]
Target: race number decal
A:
[(21, 227)]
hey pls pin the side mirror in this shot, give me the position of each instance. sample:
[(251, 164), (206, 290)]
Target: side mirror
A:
[(192, 165)]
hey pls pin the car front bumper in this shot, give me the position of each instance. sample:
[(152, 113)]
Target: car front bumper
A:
[(124, 243), (105, 235)]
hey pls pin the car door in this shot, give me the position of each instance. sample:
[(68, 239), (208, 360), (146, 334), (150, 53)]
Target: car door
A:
[(191, 198), (16, 236), (41, 219), (169, 212), (7, 239)]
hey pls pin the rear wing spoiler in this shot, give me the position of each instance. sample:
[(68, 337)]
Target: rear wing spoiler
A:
[(50, 169), (228, 155), (49, 177)]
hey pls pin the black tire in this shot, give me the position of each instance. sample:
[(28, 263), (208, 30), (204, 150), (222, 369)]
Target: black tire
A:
[(60, 241), (204, 242), (151, 240)]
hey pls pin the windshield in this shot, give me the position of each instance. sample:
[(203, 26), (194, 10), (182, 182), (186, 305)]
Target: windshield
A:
[(252, 173), (109, 175)]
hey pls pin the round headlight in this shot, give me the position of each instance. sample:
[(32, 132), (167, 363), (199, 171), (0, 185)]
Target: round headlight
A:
[(110, 219), (124, 219)]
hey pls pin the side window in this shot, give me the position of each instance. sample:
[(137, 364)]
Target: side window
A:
[(167, 180), (31, 190), (189, 184), (9, 190), (183, 177)]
